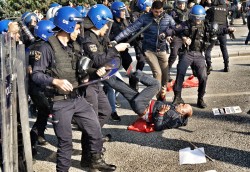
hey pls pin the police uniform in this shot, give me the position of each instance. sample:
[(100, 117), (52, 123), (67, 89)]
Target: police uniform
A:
[(179, 16), (218, 13), (60, 61), (138, 43), (96, 49), (39, 99), (118, 27), (192, 56)]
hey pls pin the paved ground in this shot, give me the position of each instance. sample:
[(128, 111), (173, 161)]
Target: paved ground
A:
[(224, 138)]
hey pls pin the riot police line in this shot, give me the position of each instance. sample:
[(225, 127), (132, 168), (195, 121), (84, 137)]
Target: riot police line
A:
[(196, 38)]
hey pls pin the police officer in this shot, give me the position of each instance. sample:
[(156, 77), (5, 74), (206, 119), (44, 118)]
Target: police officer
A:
[(179, 14), (42, 31), (193, 35), (218, 13), (140, 7), (96, 48), (30, 20), (57, 70), (118, 10)]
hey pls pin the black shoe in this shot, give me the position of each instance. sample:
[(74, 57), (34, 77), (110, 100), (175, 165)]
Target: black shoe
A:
[(244, 23), (85, 161), (246, 42), (41, 141), (34, 151), (107, 138), (177, 98), (226, 69), (97, 163), (201, 103), (115, 116), (209, 69)]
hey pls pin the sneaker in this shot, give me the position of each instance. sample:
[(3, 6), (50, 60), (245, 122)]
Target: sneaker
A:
[(115, 116)]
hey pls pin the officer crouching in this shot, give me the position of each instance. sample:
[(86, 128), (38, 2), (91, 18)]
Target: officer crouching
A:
[(60, 56)]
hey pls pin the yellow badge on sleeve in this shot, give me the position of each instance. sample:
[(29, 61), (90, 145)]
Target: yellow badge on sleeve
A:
[(37, 55), (93, 48)]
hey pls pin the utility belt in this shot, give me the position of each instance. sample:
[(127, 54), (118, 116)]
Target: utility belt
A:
[(72, 95)]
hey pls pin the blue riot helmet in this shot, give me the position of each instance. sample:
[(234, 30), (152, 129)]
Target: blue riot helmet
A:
[(24, 14), (51, 13), (4, 24), (82, 10), (44, 29), (197, 13), (28, 17), (143, 4), (54, 4), (116, 8), (100, 15), (66, 19)]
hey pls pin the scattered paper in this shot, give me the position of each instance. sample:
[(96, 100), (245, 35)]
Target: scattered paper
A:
[(188, 156), (226, 110)]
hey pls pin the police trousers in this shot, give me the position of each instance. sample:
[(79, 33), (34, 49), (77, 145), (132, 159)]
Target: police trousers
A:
[(87, 121), (197, 60)]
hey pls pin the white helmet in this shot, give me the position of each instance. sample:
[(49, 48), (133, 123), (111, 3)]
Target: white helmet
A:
[(51, 12)]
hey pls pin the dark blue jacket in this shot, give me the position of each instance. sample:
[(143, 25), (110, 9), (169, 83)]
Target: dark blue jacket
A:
[(150, 35), (171, 118)]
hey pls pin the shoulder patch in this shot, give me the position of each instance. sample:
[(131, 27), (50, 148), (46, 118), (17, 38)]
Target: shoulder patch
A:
[(93, 48), (37, 55)]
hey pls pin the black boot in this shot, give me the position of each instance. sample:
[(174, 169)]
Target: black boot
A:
[(115, 116), (98, 164), (177, 98), (209, 68), (201, 103), (226, 67), (85, 160)]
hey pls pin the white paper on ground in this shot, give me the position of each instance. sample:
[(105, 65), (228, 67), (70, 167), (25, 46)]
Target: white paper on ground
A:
[(227, 110), (211, 171), (188, 156)]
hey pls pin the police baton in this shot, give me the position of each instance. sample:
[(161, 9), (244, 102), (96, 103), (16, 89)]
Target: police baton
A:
[(138, 33)]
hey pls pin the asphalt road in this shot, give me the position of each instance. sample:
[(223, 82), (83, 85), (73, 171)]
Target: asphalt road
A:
[(224, 138)]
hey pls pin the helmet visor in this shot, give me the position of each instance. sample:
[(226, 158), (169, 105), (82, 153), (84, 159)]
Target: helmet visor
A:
[(197, 17)]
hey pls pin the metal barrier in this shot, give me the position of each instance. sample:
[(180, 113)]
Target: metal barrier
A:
[(15, 137)]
